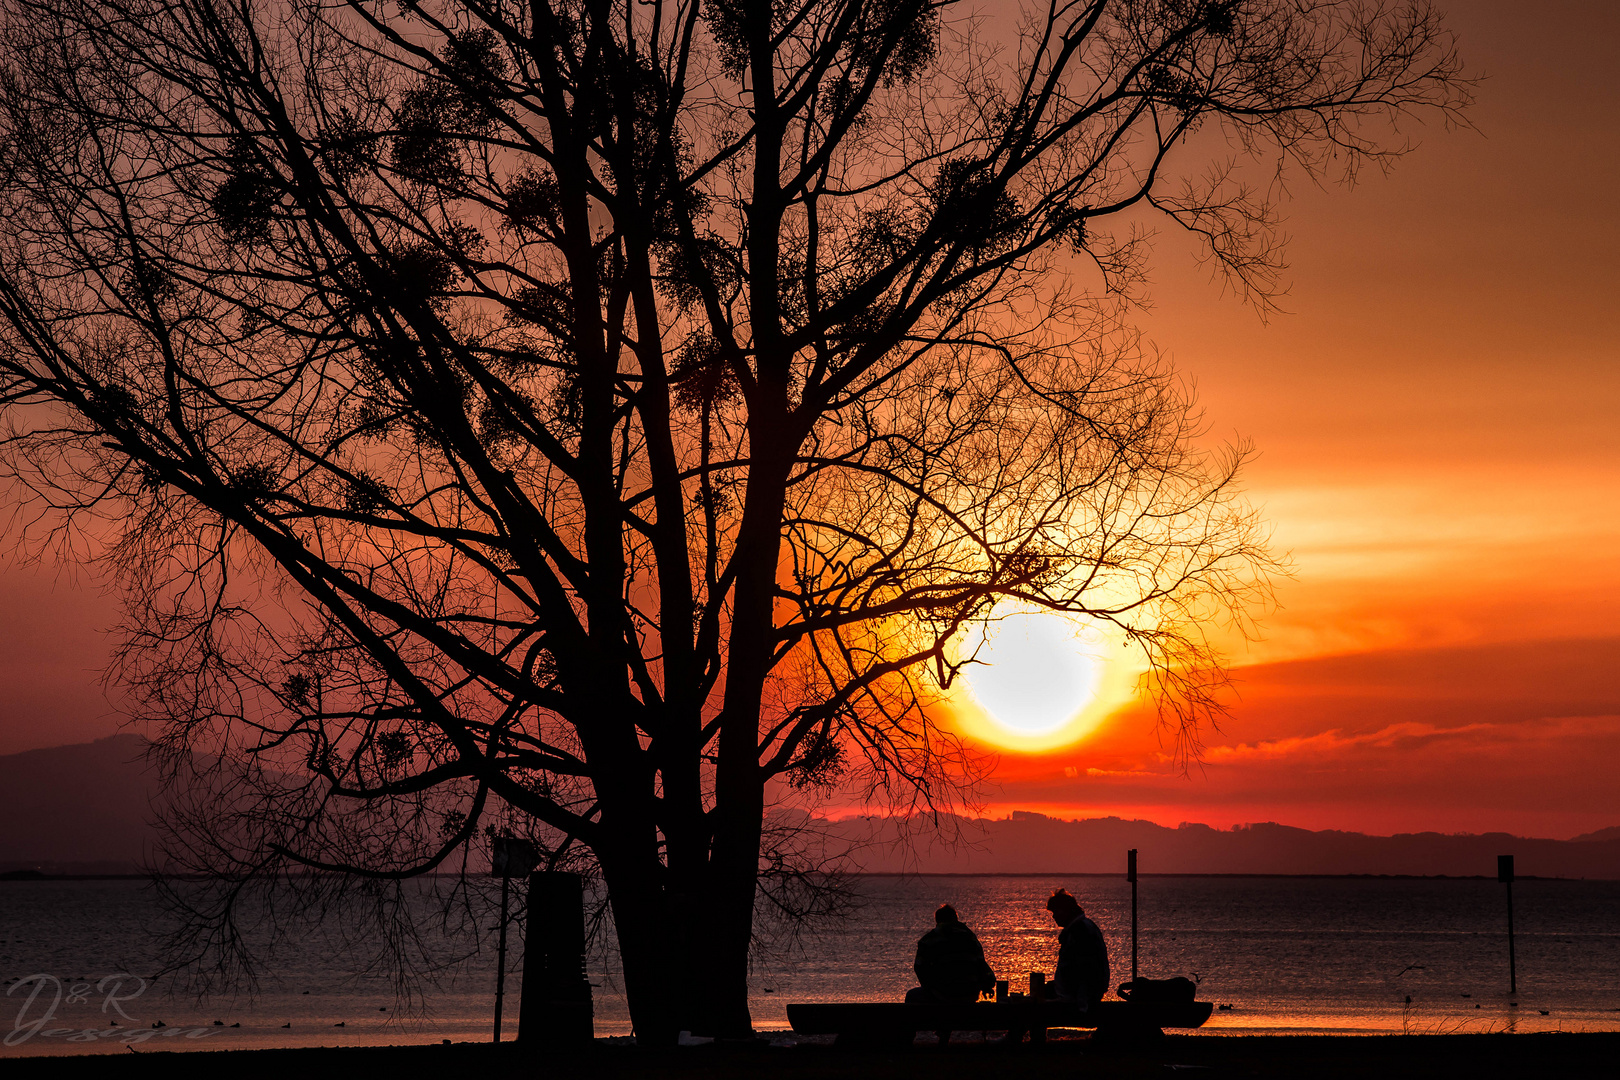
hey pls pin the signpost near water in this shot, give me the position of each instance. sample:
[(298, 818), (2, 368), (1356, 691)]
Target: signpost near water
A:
[(1504, 874), (1130, 875), (511, 858)]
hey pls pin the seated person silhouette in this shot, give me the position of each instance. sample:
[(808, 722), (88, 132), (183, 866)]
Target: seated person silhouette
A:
[(950, 963), (1082, 965)]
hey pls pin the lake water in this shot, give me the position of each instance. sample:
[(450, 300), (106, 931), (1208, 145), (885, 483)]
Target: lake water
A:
[(1346, 955)]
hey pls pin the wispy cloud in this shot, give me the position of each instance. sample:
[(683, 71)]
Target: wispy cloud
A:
[(1335, 741)]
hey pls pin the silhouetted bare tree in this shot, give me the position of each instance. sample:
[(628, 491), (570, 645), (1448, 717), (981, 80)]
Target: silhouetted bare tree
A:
[(606, 415)]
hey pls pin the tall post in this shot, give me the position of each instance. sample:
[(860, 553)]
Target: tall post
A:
[(509, 858), (1130, 873), (1504, 874), (500, 961), (556, 1007)]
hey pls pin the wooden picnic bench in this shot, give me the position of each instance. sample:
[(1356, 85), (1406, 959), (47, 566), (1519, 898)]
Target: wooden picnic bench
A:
[(893, 1023)]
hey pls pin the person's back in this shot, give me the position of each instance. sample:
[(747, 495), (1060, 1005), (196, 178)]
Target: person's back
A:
[(1082, 965), (950, 962)]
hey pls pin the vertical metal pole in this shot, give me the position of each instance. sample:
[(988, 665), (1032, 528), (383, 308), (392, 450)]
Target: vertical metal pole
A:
[(1513, 968), (1504, 874), (1130, 872), (500, 962)]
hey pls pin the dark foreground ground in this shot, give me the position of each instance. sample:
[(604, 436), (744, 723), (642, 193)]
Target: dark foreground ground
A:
[(1386, 1057)]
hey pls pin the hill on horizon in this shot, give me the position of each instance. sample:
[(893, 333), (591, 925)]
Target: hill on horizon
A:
[(83, 808), (87, 808), (1028, 842)]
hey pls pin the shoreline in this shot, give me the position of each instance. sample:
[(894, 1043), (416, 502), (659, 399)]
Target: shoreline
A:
[(1389, 1057), (29, 875)]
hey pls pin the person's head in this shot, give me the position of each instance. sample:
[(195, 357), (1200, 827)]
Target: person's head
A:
[(945, 915), (1064, 908)]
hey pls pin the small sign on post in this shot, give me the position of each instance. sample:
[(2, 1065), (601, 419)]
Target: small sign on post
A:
[(513, 857), (1504, 874), (510, 858)]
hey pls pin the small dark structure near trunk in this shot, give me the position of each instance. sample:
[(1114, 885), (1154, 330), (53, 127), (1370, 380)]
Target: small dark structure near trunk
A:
[(556, 1007)]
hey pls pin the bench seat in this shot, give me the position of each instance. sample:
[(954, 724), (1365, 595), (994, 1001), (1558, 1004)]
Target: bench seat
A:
[(895, 1021)]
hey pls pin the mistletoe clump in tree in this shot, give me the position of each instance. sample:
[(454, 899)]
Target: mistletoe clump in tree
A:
[(596, 419)]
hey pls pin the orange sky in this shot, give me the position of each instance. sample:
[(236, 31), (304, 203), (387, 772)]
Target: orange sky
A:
[(1436, 418)]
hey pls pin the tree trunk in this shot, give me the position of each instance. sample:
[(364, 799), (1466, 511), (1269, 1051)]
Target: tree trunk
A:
[(721, 982), (711, 963), (649, 942), (684, 955)]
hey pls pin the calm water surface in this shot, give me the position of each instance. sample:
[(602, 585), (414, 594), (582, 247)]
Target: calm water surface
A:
[(1287, 954)]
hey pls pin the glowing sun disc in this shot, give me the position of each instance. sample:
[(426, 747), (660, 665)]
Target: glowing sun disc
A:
[(1035, 673)]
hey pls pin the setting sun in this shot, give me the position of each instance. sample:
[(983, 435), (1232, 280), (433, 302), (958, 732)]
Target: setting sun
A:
[(1040, 680)]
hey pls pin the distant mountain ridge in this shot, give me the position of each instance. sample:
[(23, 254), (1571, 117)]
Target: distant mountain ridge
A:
[(84, 809), (1034, 843), (87, 809)]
